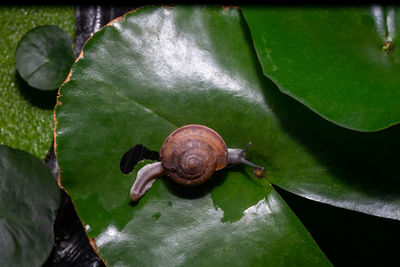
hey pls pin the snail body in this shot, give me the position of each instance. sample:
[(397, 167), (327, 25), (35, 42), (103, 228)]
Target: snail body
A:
[(189, 156)]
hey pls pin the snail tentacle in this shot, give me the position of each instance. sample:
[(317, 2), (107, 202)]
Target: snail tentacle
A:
[(145, 179), (246, 162), (237, 156), (241, 152)]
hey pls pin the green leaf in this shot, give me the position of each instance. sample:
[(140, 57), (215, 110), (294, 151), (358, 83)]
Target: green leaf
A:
[(29, 199), (26, 120), (44, 57), (216, 85), (139, 79), (333, 60)]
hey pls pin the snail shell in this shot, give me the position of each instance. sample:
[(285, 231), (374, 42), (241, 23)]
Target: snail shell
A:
[(192, 153)]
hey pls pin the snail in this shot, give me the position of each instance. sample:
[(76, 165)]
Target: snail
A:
[(189, 156)]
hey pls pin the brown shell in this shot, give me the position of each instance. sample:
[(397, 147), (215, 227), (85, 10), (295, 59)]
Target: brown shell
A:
[(192, 153)]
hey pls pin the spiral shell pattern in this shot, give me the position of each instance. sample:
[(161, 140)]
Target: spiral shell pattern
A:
[(192, 153)]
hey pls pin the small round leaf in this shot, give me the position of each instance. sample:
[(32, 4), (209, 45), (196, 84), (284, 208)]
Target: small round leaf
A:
[(44, 57), (29, 121)]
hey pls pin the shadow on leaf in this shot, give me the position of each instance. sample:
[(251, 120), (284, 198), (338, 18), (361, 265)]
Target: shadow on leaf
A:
[(196, 191), (39, 98)]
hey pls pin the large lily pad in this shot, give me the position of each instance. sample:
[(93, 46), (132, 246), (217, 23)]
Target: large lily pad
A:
[(302, 152), (332, 60), (139, 79), (29, 199)]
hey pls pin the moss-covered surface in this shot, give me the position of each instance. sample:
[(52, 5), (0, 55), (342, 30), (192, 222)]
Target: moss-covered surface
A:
[(26, 114)]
